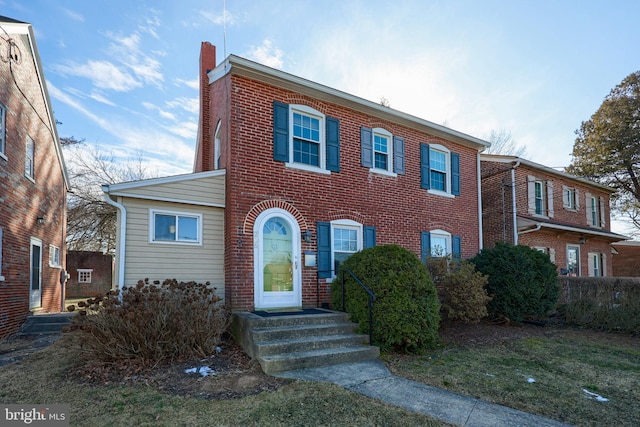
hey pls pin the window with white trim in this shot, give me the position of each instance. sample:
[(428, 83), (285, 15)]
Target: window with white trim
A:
[(439, 170), (216, 146), (540, 196), (175, 227), (440, 243), (54, 256), (30, 156), (3, 130), (382, 150), (596, 265), (84, 275), (573, 260), (569, 198), (346, 239), (595, 210), (549, 251)]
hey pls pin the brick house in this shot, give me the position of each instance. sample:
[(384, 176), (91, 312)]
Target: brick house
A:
[(314, 174), (90, 274), (626, 259), (33, 184), (562, 215)]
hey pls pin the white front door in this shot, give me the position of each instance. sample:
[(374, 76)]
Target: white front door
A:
[(277, 273), (35, 276)]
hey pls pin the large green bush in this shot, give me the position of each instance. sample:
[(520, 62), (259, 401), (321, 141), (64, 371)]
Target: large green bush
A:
[(151, 323), (523, 282), (406, 311)]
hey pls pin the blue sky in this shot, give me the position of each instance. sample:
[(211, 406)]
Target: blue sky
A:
[(122, 74)]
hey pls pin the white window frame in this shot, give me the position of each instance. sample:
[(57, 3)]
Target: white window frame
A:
[(1, 276), (30, 159), (3, 131), (216, 146), (546, 187), (570, 198), (448, 250), (389, 136), (578, 261), (152, 227), (54, 256), (596, 264), (348, 225), (322, 143), (83, 273), (447, 162)]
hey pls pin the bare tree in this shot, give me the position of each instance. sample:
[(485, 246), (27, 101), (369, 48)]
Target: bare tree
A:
[(91, 221), (502, 143)]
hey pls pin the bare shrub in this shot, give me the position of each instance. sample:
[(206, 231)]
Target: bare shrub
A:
[(151, 323)]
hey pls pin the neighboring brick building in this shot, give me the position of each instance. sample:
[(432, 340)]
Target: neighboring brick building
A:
[(314, 174), (562, 215), (33, 184), (90, 274), (626, 259)]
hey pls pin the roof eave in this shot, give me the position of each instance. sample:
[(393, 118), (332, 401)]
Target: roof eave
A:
[(249, 69)]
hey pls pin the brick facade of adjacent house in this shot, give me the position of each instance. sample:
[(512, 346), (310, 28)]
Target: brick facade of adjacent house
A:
[(394, 204), (25, 198), (559, 226), (90, 274)]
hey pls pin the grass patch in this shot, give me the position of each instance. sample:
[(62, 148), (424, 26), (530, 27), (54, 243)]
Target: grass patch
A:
[(544, 375), (44, 377)]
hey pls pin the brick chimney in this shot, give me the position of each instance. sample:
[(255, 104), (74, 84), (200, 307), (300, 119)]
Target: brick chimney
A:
[(204, 147)]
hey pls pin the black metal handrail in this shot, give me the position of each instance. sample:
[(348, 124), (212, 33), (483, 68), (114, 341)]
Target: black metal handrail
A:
[(371, 297)]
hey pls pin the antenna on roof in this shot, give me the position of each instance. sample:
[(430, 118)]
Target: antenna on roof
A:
[(224, 27)]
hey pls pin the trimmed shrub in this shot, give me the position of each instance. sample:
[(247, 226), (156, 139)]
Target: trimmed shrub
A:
[(461, 289), (151, 323), (523, 282), (406, 310)]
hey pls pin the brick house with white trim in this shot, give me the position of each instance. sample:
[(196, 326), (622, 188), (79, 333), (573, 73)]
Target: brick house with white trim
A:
[(33, 184), (565, 216), (314, 174)]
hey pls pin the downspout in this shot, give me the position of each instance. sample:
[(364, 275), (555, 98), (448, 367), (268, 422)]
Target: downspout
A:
[(120, 249), (513, 202), (480, 235)]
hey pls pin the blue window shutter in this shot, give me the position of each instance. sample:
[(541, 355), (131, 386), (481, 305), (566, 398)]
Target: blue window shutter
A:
[(455, 174), (366, 147), (398, 155), (333, 144), (456, 250), (425, 246), (369, 236), (280, 132), (323, 231), (425, 170)]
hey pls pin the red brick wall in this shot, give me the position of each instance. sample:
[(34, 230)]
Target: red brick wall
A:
[(22, 200), (497, 213), (626, 262), (101, 276), (396, 206)]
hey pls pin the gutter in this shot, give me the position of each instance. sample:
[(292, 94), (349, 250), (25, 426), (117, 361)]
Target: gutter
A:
[(120, 250), (538, 227), (513, 202)]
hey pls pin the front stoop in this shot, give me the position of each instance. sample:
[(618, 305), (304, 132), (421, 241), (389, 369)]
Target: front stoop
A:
[(43, 324), (285, 343)]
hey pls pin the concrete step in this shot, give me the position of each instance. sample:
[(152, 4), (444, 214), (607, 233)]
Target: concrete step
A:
[(43, 324), (299, 331), (293, 345), (317, 358)]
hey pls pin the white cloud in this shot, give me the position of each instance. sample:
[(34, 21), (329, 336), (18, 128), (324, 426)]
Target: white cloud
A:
[(193, 84), (164, 114), (218, 18), (184, 129), (74, 15), (191, 105), (103, 74), (127, 50), (96, 96), (266, 54), (63, 97)]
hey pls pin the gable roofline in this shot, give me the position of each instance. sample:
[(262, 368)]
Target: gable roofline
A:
[(498, 158), (243, 67), (13, 26), (130, 185)]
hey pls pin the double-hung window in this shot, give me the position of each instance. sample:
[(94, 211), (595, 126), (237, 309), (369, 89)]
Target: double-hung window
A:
[(3, 130), (172, 227), (595, 210), (439, 170), (381, 152), (570, 198), (305, 138), (596, 265), (440, 243), (540, 196), (30, 155), (338, 240), (54, 256)]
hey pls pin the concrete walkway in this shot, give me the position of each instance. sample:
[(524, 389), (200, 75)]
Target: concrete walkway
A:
[(373, 379)]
